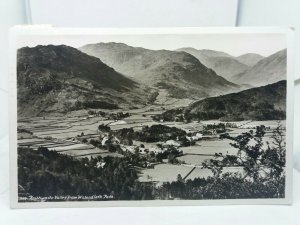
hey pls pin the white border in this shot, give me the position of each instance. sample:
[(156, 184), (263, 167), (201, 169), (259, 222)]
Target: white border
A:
[(48, 30)]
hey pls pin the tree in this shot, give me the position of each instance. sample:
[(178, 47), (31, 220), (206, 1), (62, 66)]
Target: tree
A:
[(259, 163), (274, 157), (104, 128), (179, 178)]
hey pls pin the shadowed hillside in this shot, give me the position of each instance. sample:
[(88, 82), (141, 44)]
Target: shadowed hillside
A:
[(262, 103), (61, 78)]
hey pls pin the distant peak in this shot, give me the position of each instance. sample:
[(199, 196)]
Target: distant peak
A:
[(251, 54), (112, 43), (185, 48)]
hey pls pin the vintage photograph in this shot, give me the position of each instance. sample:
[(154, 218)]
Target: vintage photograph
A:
[(154, 116)]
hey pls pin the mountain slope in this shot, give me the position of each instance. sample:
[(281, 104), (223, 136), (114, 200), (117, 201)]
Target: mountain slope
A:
[(268, 70), (249, 59), (61, 78), (179, 72), (262, 103), (222, 63)]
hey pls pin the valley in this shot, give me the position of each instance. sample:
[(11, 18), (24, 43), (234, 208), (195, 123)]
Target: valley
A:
[(66, 135)]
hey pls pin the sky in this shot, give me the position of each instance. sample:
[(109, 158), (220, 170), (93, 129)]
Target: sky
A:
[(234, 44)]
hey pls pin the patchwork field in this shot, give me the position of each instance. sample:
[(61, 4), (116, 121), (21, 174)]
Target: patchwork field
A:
[(61, 134)]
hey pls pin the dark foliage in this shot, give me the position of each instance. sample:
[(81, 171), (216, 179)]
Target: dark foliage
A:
[(104, 128), (214, 128), (228, 186), (47, 173), (95, 105), (125, 135), (159, 132), (154, 133), (22, 130)]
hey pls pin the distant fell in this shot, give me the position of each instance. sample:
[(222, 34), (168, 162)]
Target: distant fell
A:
[(222, 63), (249, 59), (266, 71), (178, 72)]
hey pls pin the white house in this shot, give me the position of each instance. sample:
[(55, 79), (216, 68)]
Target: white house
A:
[(172, 142), (155, 150), (199, 135), (104, 140), (100, 164), (128, 148)]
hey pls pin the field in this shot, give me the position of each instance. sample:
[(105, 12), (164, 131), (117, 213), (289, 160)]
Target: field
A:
[(64, 134)]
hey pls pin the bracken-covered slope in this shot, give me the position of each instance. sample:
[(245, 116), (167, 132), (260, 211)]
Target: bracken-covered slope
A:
[(261, 103), (179, 72), (56, 79), (222, 63), (268, 70)]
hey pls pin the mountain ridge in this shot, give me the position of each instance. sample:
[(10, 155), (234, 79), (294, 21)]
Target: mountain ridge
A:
[(60, 78), (261, 103), (268, 70), (250, 59), (222, 63), (180, 73)]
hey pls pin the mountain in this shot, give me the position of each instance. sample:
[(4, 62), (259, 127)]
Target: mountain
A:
[(205, 53), (249, 59), (179, 72), (60, 78), (266, 71), (261, 103), (222, 63)]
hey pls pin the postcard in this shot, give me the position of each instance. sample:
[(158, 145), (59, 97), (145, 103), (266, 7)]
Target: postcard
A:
[(150, 116)]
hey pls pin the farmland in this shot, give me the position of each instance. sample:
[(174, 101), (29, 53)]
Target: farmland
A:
[(71, 134)]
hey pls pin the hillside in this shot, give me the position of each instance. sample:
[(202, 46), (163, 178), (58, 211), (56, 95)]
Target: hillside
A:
[(262, 103), (58, 79), (268, 70), (249, 59), (222, 63), (179, 72)]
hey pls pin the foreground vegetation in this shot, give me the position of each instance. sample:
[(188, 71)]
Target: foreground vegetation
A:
[(47, 173)]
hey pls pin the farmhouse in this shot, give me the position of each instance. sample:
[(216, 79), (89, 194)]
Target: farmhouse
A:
[(172, 143), (155, 150)]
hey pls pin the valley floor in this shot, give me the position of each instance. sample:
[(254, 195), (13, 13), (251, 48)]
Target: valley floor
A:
[(61, 134)]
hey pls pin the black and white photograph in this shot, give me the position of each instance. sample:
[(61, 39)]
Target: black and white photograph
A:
[(147, 117)]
